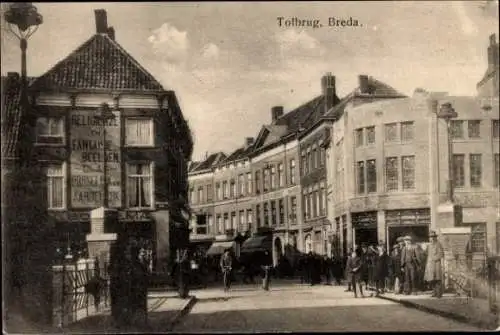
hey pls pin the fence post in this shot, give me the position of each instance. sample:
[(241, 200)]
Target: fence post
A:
[(63, 299), (87, 275)]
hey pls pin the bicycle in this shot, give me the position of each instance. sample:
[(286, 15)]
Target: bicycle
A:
[(226, 274)]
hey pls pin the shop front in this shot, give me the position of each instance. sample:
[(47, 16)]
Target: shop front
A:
[(364, 227), (413, 222)]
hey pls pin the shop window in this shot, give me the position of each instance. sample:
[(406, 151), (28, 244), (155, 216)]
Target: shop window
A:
[(360, 177), (371, 175), (139, 131), (50, 130), (478, 237), (457, 129), (56, 186), (474, 128), (358, 137), (391, 132), (407, 131), (475, 170), (139, 185), (370, 135), (408, 169), (458, 170), (391, 174)]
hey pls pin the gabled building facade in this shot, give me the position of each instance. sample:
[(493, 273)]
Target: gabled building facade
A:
[(143, 147)]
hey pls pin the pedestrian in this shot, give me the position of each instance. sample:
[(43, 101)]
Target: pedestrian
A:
[(327, 268), (434, 268), (348, 272), (355, 266), (396, 269), (226, 264), (365, 268), (337, 269), (401, 243), (409, 264), (381, 269)]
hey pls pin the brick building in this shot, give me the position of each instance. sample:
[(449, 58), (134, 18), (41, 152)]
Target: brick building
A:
[(144, 147)]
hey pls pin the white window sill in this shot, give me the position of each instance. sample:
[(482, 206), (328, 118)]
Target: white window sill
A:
[(139, 145)]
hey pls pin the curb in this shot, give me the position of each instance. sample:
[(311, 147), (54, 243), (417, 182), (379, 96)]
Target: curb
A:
[(449, 315), (182, 312)]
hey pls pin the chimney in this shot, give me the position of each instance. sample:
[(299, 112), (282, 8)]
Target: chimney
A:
[(249, 141), (493, 53), (101, 21), (364, 86), (328, 90), (111, 33), (276, 112)]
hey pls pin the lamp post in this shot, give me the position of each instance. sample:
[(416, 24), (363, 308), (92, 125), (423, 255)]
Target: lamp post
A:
[(105, 115), (447, 112)]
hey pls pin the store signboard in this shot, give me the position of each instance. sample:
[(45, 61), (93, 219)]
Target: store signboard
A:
[(364, 220)]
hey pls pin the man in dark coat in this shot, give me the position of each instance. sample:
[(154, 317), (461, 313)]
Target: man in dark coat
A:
[(365, 261), (327, 269), (381, 269), (409, 264), (355, 265), (396, 269)]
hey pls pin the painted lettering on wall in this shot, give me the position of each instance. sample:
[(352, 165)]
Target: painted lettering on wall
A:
[(89, 149)]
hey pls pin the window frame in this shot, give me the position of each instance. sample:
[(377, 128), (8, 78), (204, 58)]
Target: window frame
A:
[(458, 168), (360, 177), (151, 136), (496, 169), (476, 177), (50, 177), (457, 129), (370, 140), (405, 126), (61, 136), (292, 171), (359, 137), (281, 175), (387, 127), (405, 170), (150, 176), (484, 239), (371, 166), (391, 182), (495, 129), (470, 129)]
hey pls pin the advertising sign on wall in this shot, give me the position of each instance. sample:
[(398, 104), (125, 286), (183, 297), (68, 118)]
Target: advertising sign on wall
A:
[(87, 160)]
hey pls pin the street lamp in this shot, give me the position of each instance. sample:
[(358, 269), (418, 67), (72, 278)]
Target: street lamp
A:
[(447, 112), (105, 114)]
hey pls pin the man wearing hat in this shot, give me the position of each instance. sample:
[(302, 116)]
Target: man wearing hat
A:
[(433, 269), (409, 264)]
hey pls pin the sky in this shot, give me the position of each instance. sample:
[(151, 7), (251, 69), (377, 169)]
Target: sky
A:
[(230, 62)]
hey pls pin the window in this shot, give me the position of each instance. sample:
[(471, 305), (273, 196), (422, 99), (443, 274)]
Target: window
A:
[(408, 170), (314, 158), (391, 173), (495, 124), (50, 130), (273, 213), (457, 128), (56, 186), (281, 212), (241, 184), (211, 225), (225, 190), (304, 163), (249, 182), (139, 188), (407, 131), (358, 137), (257, 182), (219, 191), (309, 161), (306, 206), (266, 179), (371, 175), (292, 171), (220, 226), (241, 226), (360, 177), (209, 193), (249, 219), (321, 210), (139, 131), (200, 194), (474, 128), (293, 201), (191, 196), (496, 180), (475, 170), (233, 220), (257, 215), (273, 177), (459, 170), (391, 132), (316, 200), (370, 135), (232, 192), (266, 214), (281, 176), (322, 156), (226, 223), (478, 237)]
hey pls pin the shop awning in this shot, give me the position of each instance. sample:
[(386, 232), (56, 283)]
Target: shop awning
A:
[(257, 243), (217, 248)]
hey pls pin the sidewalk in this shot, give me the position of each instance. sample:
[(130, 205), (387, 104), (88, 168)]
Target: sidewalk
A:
[(471, 311)]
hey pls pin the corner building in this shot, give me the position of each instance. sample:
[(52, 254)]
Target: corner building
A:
[(145, 151)]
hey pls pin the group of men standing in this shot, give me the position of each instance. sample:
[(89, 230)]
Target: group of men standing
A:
[(407, 269)]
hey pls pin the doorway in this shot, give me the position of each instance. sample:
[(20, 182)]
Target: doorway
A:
[(419, 233), (365, 235), (277, 251)]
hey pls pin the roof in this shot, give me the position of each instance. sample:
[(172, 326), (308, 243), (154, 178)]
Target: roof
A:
[(11, 114), (208, 162), (99, 63), (239, 154)]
